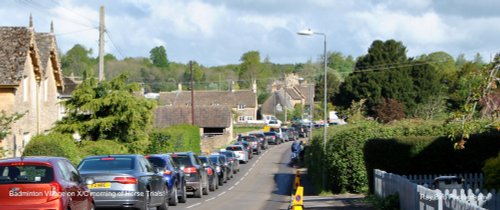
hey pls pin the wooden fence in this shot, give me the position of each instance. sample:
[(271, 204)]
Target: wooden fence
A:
[(415, 196)]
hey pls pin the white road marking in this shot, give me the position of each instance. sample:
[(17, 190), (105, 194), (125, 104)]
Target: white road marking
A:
[(209, 199), (196, 204), (222, 193), (237, 183), (231, 188)]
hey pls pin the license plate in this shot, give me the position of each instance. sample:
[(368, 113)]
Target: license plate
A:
[(100, 185)]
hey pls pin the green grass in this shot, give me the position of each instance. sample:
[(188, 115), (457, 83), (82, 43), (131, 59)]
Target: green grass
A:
[(236, 131)]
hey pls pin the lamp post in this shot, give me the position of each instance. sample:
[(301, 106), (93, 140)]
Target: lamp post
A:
[(309, 32)]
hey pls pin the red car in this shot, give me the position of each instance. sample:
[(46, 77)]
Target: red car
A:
[(42, 183)]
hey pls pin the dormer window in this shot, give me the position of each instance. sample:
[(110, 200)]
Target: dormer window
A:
[(241, 106)]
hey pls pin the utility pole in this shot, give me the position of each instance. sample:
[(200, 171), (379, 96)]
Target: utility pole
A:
[(101, 43), (286, 99), (192, 92)]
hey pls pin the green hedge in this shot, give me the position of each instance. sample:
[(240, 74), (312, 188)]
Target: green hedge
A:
[(53, 144), (344, 161), (491, 171), (429, 155), (175, 139), (103, 147)]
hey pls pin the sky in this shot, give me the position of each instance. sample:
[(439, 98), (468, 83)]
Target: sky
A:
[(219, 32)]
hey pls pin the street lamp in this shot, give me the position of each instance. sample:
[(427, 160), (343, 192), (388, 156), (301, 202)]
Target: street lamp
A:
[(309, 32)]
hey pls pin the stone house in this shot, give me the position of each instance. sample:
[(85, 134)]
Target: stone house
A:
[(30, 82), (243, 103), (287, 94), (215, 122)]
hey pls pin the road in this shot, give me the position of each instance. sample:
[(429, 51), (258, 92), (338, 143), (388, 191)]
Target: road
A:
[(263, 183)]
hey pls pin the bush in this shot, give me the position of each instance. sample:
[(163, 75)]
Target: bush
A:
[(53, 144), (389, 110), (391, 202), (429, 155), (344, 161), (491, 172), (103, 147), (175, 139)]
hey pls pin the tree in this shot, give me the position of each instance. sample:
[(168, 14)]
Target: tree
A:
[(108, 110), (77, 61), (158, 56), (6, 121), (382, 73), (250, 68), (340, 63)]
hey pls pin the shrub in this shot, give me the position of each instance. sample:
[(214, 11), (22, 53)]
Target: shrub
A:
[(491, 172), (103, 147), (53, 144), (175, 139), (429, 155), (344, 160), (389, 110)]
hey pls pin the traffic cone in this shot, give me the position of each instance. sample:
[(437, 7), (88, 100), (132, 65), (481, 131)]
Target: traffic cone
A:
[(298, 203)]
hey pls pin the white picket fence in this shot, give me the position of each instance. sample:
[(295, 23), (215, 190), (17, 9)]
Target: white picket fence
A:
[(472, 180), (414, 196)]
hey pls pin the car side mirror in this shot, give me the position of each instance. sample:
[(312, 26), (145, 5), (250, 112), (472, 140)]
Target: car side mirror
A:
[(205, 165), (89, 181)]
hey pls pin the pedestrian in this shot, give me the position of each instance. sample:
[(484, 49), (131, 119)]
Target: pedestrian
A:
[(295, 153)]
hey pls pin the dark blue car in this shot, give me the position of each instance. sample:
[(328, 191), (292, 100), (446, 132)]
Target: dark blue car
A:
[(173, 176)]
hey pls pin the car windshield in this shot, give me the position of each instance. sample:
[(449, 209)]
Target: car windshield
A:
[(26, 174), (234, 148), (270, 134), (107, 164), (229, 154), (157, 162), (203, 159), (182, 160), (214, 159)]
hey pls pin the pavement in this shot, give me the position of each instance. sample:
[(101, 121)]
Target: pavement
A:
[(312, 201)]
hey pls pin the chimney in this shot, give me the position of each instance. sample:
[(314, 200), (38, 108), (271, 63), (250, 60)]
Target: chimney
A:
[(179, 87), (52, 27), (31, 21)]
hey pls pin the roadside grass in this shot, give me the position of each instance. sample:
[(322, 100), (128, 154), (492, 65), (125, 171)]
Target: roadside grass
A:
[(238, 130)]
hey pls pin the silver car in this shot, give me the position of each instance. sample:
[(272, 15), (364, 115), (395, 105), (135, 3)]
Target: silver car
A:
[(126, 181), (241, 152)]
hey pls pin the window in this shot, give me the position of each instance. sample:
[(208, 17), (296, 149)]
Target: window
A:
[(241, 118), (74, 175), (241, 106), (249, 118), (25, 89)]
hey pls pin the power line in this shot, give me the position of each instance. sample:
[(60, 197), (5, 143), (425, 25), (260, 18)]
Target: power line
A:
[(114, 45)]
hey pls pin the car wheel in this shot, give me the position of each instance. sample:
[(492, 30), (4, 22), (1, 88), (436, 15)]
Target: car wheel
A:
[(164, 205), (217, 184), (183, 197), (205, 190), (174, 199), (211, 186), (146, 200), (221, 181), (197, 193)]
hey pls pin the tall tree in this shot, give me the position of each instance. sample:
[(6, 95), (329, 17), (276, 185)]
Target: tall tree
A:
[(77, 60), (250, 68), (108, 110), (382, 73), (158, 56)]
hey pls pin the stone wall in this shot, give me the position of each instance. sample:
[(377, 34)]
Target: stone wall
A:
[(211, 144)]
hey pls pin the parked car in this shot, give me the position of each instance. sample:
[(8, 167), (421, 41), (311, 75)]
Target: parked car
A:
[(196, 175), (240, 151), (263, 141), (174, 177), (272, 137), (222, 169), (211, 168), (247, 147), (302, 129), (253, 142), (124, 181), (45, 179), (232, 157)]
